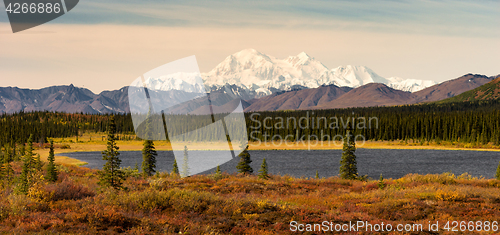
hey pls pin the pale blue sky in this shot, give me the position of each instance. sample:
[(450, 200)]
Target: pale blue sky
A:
[(436, 40), (467, 18)]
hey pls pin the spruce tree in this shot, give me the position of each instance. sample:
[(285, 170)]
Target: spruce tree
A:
[(175, 169), (8, 172), (148, 152), (381, 184), (317, 175), (218, 173), (185, 165), (244, 164), (496, 139), (25, 179), (348, 168), (149, 158), (37, 163), (22, 152), (4, 160), (497, 175), (15, 156), (51, 167), (263, 170), (111, 174), (2, 166), (8, 154)]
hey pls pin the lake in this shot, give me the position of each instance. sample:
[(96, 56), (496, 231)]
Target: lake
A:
[(392, 163)]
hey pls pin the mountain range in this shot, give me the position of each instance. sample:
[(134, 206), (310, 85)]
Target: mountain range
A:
[(265, 74), (73, 99), (262, 82), (69, 99), (254, 74), (372, 94)]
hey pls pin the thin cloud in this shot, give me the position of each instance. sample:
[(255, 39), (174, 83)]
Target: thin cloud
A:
[(460, 18)]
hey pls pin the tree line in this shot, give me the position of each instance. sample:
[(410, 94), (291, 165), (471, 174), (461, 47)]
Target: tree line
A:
[(467, 122), (17, 127)]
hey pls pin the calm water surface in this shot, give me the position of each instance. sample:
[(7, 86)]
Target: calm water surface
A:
[(392, 163)]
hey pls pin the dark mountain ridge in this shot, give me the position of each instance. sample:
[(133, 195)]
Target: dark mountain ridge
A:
[(73, 99), (488, 91), (69, 99), (369, 95)]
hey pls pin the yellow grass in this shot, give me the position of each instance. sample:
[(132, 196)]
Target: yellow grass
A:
[(44, 153), (324, 145)]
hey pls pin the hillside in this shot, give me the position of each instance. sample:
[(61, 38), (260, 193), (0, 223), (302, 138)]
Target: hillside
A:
[(301, 99), (451, 88), (373, 94), (488, 91), (369, 95), (68, 99)]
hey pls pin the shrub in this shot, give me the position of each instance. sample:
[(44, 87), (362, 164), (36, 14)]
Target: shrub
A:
[(18, 204), (185, 200), (381, 184), (156, 183), (38, 192), (21, 204), (466, 176), (218, 174), (108, 218), (445, 178), (449, 196), (454, 193), (65, 146), (129, 172), (4, 212), (67, 190), (177, 199), (146, 200)]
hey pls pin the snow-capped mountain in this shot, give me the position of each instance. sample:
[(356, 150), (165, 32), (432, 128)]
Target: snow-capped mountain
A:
[(256, 71), (354, 76), (262, 74), (411, 85), (256, 75), (188, 82)]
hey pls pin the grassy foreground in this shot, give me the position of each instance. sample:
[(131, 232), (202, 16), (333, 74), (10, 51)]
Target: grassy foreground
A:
[(237, 204)]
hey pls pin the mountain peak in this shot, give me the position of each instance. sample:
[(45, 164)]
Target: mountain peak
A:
[(248, 50), (301, 59), (247, 53), (256, 71), (351, 68), (303, 55), (245, 58)]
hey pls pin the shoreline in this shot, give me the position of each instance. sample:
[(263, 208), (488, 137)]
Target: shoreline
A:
[(97, 146)]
